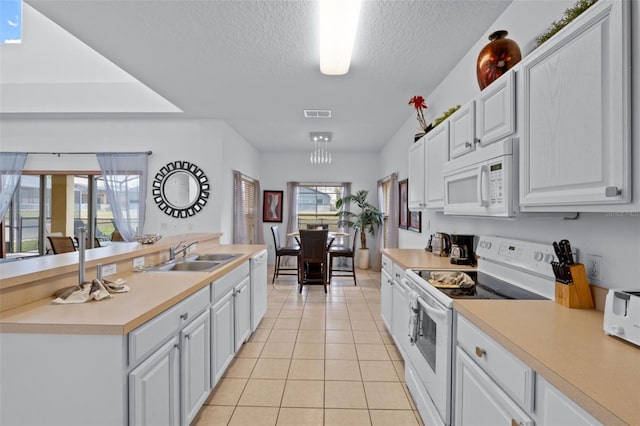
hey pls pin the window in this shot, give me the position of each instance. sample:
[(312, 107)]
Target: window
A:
[(65, 202), (317, 205), (249, 203)]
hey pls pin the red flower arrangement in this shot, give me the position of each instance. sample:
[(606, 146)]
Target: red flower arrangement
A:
[(419, 105)]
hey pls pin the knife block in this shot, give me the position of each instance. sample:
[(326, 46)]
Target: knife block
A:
[(576, 295)]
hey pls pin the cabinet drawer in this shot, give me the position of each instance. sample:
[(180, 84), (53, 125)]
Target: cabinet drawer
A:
[(398, 272), (387, 264), (222, 285), (149, 336), (513, 376)]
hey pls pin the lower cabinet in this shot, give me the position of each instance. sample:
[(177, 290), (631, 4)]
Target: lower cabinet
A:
[(400, 317), (241, 313), (386, 298), (479, 401), (555, 408), (154, 388), (195, 366), (222, 340)]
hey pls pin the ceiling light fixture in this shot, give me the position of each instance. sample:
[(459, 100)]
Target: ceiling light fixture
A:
[(320, 153), (338, 24)]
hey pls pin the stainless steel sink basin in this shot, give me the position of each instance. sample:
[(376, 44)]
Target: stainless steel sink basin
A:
[(204, 266), (218, 257)]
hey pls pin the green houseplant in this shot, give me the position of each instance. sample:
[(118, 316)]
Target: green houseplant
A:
[(368, 220)]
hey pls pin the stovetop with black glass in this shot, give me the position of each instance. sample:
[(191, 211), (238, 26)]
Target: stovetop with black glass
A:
[(486, 287)]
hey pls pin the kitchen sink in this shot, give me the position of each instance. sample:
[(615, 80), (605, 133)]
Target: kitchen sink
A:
[(218, 257), (204, 266)]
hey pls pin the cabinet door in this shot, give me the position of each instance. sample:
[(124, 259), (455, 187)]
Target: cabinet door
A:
[(400, 314), (195, 366), (437, 153), (479, 401), (242, 313), (463, 130), (154, 388), (575, 137), (416, 175), (222, 341), (555, 408), (496, 110), (386, 298)]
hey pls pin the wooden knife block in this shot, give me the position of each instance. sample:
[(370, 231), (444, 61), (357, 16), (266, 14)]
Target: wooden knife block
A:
[(578, 294)]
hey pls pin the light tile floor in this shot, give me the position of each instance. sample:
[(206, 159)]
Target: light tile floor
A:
[(316, 359)]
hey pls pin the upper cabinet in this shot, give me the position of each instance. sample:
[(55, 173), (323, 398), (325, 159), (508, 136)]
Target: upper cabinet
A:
[(574, 110), (487, 118), (416, 175)]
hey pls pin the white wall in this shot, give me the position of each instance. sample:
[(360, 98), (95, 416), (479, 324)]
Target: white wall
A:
[(361, 169), (615, 237), (210, 144)]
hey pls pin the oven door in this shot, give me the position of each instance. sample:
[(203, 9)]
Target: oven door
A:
[(432, 359)]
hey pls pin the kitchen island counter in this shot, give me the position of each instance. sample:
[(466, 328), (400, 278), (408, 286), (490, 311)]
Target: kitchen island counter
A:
[(569, 349)]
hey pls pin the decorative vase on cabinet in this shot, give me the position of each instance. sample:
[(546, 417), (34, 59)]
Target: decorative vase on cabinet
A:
[(496, 58)]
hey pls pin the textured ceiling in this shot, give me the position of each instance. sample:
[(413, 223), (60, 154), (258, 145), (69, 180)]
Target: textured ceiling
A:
[(255, 63)]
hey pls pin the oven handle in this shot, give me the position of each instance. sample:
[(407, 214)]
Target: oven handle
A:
[(481, 171), (434, 312)]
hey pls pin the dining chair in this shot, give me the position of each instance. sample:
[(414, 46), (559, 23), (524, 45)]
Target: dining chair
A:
[(312, 262), (96, 242), (344, 252), (318, 226), (116, 236), (282, 251), (61, 244)]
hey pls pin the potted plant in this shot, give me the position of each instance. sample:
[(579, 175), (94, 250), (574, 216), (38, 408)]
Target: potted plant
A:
[(368, 220)]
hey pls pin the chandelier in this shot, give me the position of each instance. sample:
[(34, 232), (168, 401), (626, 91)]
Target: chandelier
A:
[(320, 153)]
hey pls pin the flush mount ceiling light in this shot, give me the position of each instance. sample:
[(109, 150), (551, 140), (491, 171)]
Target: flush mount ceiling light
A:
[(317, 113), (338, 24), (320, 153)]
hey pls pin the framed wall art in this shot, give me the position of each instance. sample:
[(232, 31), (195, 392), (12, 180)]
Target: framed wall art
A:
[(403, 214), (415, 221), (272, 206)]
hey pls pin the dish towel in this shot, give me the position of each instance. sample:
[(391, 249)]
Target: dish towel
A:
[(413, 316), (95, 290)]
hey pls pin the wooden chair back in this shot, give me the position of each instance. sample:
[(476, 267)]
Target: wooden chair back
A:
[(61, 244)]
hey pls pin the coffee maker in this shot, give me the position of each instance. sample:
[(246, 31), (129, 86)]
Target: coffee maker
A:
[(462, 250)]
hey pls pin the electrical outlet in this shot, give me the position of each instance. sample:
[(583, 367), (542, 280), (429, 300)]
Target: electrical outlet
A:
[(593, 265), (138, 262), (109, 269)]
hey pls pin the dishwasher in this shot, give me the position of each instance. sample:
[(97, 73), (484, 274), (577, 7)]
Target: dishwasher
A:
[(258, 288)]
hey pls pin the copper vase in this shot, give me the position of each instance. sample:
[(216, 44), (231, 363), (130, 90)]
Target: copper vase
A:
[(496, 58)]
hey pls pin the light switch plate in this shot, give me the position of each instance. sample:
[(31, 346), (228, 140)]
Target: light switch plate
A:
[(138, 262), (109, 269)]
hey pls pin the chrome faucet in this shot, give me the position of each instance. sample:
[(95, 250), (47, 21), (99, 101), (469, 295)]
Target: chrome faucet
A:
[(181, 247)]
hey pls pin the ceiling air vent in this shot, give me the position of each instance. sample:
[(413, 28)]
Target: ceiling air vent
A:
[(317, 113)]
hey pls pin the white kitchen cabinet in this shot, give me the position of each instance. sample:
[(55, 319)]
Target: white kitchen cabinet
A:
[(400, 317), (222, 339), (495, 109), (463, 130), (417, 175), (386, 298), (555, 408), (241, 313), (436, 154), (480, 401), (154, 388), (574, 106), (195, 364)]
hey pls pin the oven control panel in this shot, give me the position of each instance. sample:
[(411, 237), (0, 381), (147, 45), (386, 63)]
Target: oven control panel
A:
[(525, 255)]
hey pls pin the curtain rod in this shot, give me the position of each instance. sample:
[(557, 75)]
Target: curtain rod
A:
[(86, 153)]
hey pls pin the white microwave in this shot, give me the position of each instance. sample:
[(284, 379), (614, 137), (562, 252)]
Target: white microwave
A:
[(484, 182)]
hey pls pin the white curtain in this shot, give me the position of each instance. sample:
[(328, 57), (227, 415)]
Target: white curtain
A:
[(292, 218), (239, 221), (392, 220), (125, 178), (11, 166)]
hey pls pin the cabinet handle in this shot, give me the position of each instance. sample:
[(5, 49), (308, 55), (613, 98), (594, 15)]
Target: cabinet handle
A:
[(514, 422), (612, 191), (176, 346), (477, 140), (480, 352), (239, 291), (467, 144), (187, 336), (184, 316)]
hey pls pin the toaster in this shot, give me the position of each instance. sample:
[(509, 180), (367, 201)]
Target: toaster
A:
[(622, 315)]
